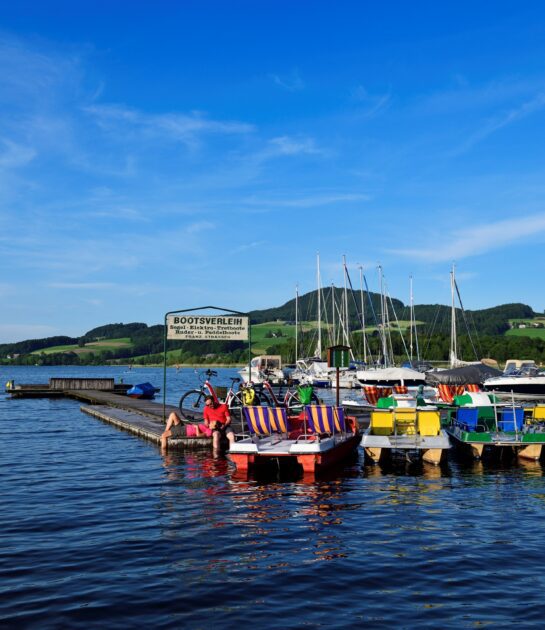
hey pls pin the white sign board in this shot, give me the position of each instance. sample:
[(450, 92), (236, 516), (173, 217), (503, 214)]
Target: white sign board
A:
[(210, 327)]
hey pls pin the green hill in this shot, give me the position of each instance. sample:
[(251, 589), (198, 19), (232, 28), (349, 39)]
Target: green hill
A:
[(273, 332)]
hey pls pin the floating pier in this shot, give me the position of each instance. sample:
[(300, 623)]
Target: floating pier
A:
[(147, 427), (107, 401)]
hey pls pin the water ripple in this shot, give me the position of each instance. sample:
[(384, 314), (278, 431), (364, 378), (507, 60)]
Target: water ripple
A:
[(97, 528)]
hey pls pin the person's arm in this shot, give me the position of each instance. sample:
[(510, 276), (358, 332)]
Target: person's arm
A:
[(227, 417), (205, 417)]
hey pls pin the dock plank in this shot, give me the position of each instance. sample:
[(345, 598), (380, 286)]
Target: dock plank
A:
[(144, 426)]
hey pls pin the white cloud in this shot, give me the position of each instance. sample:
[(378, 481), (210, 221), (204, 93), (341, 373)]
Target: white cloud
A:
[(14, 154), (475, 240), (291, 82), (286, 145), (81, 285), (247, 246), (370, 104), (503, 120), (310, 201), (185, 128)]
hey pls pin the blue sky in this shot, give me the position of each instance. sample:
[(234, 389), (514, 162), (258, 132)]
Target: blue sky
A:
[(168, 155)]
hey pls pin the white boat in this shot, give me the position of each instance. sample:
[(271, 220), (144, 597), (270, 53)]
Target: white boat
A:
[(312, 371), (391, 376), (519, 377), (266, 367)]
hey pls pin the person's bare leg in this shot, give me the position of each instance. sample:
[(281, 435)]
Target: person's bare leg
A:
[(172, 419), (164, 440), (216, 440)]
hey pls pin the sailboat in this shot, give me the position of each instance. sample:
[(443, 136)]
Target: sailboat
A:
[(387, 375), (313, 370)]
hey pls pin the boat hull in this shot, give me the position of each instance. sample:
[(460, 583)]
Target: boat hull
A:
[(311, 455), (430, 448), (530, 385), (523, 444)]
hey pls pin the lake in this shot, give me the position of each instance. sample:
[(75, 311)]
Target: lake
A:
[(98, 529)]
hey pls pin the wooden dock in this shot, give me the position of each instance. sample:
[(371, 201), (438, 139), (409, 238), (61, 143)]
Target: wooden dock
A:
[(145, 426), (108, 402)]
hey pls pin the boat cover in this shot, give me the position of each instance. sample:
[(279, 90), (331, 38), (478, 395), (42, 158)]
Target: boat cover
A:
[(475, 373), (142, 389), (390, 374)]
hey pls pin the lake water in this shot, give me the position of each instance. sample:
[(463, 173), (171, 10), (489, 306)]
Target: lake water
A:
[(99, 530)]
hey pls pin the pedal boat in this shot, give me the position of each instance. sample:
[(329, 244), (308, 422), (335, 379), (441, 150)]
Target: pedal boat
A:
[(319, 437), (406, 429), (483, 426)]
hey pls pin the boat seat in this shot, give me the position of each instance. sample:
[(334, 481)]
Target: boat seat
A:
[(278, 420), (405, 421), (257, 419), (429, 422), (263, 421), (538, 413), (382, 422), (325, 419)]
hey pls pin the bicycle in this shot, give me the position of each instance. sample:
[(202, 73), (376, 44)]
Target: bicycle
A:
[(192, 402), (294, 399)]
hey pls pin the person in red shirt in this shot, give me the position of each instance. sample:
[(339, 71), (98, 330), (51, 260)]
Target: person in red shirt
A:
[(217, 418)]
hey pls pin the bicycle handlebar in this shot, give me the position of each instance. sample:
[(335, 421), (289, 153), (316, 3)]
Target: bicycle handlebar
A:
[(210, 373)]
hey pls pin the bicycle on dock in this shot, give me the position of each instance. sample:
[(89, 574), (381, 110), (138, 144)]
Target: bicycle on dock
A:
[(293, 400), (192, 402)]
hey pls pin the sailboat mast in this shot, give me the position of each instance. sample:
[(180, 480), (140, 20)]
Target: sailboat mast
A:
[(296, 322), (453, 341), (383, 318), (346, 327), (411, 316), (363, 317), (319, 282)]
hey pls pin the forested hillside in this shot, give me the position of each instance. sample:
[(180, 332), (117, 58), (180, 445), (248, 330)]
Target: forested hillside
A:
[(481, 334)]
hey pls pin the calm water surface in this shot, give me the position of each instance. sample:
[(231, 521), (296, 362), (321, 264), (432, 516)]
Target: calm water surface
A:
[(98, 529)]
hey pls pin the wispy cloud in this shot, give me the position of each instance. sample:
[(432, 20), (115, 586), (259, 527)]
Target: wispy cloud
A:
[(291, 82), (173, 127), (13, 155), (503, 120), (311, 201), (247, 246), (476, 240), (370, 104), (463, 96), (81, 285)]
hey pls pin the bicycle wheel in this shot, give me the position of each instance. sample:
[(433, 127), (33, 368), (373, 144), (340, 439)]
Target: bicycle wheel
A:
[(236, 402), (263, 400), (294, 403), (192, 405)]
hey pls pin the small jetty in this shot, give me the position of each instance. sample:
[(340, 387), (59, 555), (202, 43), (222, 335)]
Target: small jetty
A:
[(108, 401), (147, 427)]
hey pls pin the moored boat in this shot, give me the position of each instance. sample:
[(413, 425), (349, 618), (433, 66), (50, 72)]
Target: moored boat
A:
[(480, 425), (266, 367), (408, 430), (519, 377), (143, 390), (320, 437)]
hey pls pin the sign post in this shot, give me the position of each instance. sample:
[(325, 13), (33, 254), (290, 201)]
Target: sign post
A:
[(338, 357), (186, 325)]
